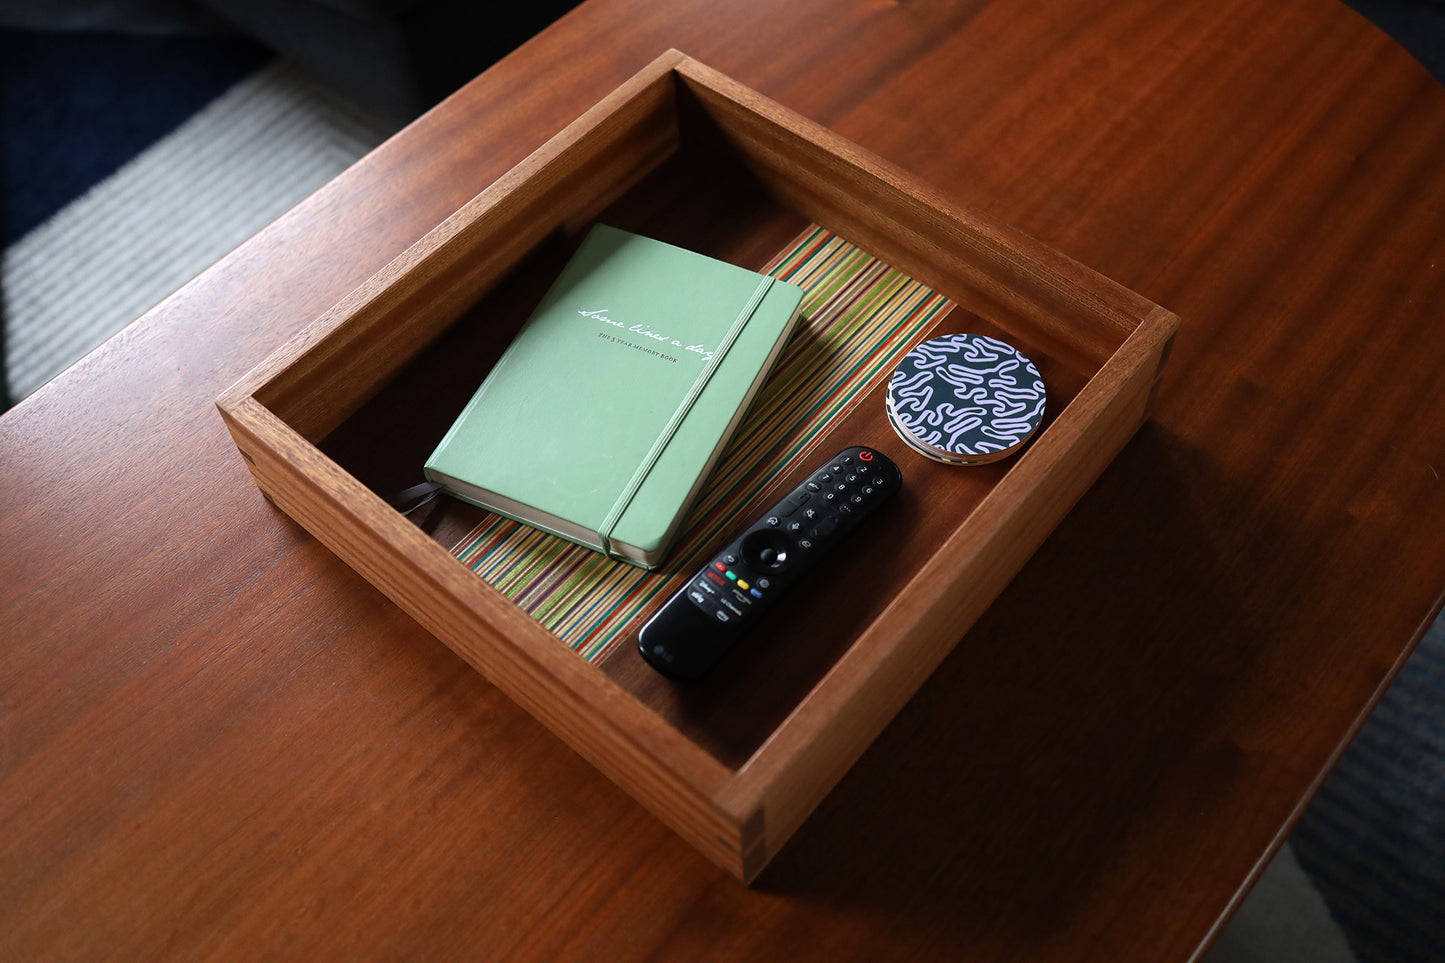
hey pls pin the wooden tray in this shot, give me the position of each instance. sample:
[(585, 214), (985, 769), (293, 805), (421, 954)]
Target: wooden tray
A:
[(347, 410)]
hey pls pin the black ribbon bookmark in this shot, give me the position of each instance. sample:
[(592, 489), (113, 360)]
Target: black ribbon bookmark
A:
[(410, 499)]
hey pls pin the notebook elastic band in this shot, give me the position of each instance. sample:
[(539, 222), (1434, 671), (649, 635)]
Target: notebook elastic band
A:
[(629, 491)]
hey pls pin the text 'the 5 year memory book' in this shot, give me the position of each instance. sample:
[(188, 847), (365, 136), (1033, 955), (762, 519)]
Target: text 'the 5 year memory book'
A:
[(605, 415)]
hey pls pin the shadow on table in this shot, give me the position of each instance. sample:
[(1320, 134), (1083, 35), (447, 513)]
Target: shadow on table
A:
[(1043, 769)]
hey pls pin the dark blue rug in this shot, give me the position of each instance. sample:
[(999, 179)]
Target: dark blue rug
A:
[(1374, 838), (74, 107), (1416, 25)]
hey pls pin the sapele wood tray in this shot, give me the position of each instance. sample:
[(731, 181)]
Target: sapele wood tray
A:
[(345, 412)]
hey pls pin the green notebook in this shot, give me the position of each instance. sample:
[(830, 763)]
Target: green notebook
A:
[(605, 415)]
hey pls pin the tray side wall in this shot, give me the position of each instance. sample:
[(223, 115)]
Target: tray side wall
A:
[(842, 716), (985, 266), (633, 747), (320, 378)]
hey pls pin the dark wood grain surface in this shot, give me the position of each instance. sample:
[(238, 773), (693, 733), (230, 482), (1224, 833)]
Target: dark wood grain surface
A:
[(219, 742)]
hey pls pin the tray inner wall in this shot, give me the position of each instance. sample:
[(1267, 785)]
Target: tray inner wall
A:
[(703, 200)]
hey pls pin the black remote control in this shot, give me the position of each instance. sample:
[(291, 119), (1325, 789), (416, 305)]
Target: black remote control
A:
[(699, 623)]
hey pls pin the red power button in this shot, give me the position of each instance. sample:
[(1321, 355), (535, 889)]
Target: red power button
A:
[(865, 455)]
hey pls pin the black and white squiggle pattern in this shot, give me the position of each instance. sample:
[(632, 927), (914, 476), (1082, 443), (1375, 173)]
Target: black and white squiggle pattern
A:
[(966, 395)]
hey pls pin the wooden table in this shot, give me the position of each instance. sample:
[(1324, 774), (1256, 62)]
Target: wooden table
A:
[(218, 741)]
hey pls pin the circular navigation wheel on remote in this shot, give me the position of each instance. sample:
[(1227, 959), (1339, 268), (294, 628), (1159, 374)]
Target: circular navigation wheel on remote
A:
[(766, 549)]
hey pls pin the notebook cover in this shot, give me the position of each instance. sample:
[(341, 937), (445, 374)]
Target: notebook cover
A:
[(604, 415)]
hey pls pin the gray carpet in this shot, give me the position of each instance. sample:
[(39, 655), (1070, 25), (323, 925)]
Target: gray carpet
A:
[(170, 213)]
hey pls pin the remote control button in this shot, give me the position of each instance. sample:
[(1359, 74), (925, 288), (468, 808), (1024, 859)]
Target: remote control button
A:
[(766, 550), (826, 526)]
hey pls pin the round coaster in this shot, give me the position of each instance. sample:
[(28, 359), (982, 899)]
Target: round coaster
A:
[(965, 399)]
